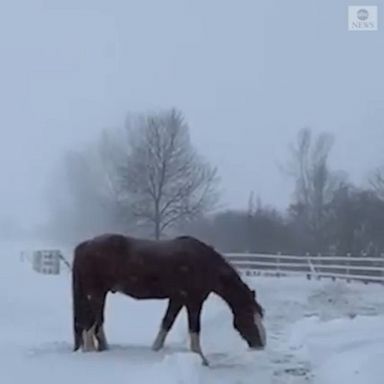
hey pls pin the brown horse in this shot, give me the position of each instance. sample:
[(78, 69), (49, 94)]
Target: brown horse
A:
[(183, 270)]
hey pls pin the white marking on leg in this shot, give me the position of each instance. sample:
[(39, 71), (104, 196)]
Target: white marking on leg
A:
[(87, 344), (260, 326), (96, 343), (196, 347), (160, 340), (89, 340)]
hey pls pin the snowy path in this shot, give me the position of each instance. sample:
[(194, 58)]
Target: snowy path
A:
[(302, 318)]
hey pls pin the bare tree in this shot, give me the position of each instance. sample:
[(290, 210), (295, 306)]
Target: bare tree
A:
[(315, 183), (309, 167), (377, 182), (164, 180)]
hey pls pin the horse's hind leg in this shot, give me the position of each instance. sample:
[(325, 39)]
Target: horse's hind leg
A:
[(101, 339), (93, 333), (99, 330), (78, 337), (167, 322), (88, 325)]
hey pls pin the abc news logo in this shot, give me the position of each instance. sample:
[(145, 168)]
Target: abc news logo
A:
[(362, 18)]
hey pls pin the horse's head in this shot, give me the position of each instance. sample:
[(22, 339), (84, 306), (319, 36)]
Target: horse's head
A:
[(248, 320)]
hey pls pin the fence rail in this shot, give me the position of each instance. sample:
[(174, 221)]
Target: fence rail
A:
[(365, 269)]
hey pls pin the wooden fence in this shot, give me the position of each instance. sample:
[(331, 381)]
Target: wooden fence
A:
[(362, 268), (365, 269)]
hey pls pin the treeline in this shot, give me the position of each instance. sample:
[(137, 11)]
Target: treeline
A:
[(327, 215), (353, 223), (148, 179)]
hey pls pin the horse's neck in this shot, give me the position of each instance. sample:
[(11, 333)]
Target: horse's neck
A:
[(230, 290)]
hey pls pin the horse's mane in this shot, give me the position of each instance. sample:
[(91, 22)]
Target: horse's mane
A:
[(210, 251), (229, 275), (231, 279)]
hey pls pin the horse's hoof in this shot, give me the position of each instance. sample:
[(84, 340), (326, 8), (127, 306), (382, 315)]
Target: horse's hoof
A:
[(102, 349), (205, 362), (156, 348)]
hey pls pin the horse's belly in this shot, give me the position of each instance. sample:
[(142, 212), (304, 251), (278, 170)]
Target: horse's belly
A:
[(146, 295), (138, 291)]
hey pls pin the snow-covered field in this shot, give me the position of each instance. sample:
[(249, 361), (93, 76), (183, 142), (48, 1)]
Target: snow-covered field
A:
[(318, 332)]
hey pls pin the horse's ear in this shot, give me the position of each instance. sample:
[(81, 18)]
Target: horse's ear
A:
[(253, 293)]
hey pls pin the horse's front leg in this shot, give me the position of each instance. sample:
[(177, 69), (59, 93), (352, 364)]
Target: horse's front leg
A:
[(194, 323), (167, 322)]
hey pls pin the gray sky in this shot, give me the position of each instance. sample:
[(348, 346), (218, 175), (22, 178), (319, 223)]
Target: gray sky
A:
[(247, 76)]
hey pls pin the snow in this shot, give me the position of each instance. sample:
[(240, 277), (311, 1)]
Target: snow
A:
[(342, 349), (319, 332)]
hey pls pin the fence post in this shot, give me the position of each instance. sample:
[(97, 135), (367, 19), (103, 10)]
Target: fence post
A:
[(309, 274), (364, 254), (278, 264), (348, 271), (321, 263), (382, 266), (333, 278)]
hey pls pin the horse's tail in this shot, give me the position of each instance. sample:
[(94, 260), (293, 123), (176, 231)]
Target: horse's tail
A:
[(79, 300)]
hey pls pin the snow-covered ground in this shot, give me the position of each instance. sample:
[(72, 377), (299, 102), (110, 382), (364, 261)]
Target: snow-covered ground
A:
[(319, 332)]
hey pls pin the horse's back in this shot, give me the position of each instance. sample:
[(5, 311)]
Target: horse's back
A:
[(183, 261), (182, 250)]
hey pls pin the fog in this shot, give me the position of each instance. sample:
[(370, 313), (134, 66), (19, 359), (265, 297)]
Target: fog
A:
[(247, 75)]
